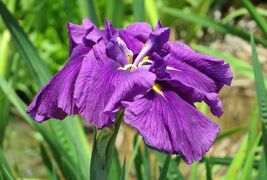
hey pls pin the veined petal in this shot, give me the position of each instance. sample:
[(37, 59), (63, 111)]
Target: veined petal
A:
[(193, 85), (77, 32), (131, 41), (155, 42), (169, 124), (140, 30), (100, 91), (55, 99), (128, 86), (215, 69)]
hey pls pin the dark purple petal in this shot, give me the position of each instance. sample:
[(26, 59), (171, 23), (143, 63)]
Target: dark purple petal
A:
[(193, 85), (132, 43), (159, 67), (215, 69), (128, 86), (140, 30), (55, 99), (110, 30), (86, 34), (169, 124), (115, 52), (155, 42), (159, 25), (101, 85), (77, 32)]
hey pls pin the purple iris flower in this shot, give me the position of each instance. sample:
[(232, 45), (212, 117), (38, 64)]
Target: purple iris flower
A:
[(155, 81)]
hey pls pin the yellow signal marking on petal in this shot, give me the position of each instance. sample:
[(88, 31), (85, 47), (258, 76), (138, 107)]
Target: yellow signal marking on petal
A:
[(157, 89), (146, 58)]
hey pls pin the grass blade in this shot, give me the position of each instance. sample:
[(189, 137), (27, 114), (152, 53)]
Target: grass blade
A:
[(103, 149), (139, 10), (115, 12), (262, 171), (147, 166), (5, 170), (256, 16), (70, 158), (115, 170), (164, 171), (237, 162), (88, 9), (248, 166), (27, 51), (208, 169), (207, 22), (48, 163), (151, 11), (261, 93), (123, 170)]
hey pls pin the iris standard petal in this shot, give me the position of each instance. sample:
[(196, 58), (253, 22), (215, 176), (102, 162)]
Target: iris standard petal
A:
[(193, 85), (154, 43), (169, 124), (140, 30), (77, 32), (131, 41), (88, 34), (55, 99), (215, 69), (115, 52)]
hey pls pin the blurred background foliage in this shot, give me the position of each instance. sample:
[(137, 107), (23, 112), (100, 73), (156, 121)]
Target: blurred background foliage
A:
[(34, 45)]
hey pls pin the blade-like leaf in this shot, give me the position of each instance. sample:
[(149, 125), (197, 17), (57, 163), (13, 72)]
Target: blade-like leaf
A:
[(103, 148), (48, 163), (151, 11), (123, 170), (88, 9), (28, 52), (115, 11), (230, 132), (262, 170), (115, 170), (70, 158), (207, 22), (248, 166), (261, 93), (139, 10), (208, 169), (256, 16), (5, 170), (164, 171), (237, 162), (146, 160)]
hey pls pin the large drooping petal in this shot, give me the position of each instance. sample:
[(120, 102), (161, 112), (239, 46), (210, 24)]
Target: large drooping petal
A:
[(215, 69), (169, 124), (193, 85), (102, 84), (55, 99)]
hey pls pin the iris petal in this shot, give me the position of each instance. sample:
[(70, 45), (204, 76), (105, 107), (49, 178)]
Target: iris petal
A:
[(101, 85), (193, 85), (55, 99), (215, 69), (169, 124)]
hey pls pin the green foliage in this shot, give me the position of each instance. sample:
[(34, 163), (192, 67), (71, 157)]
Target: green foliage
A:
[(38, 33)]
